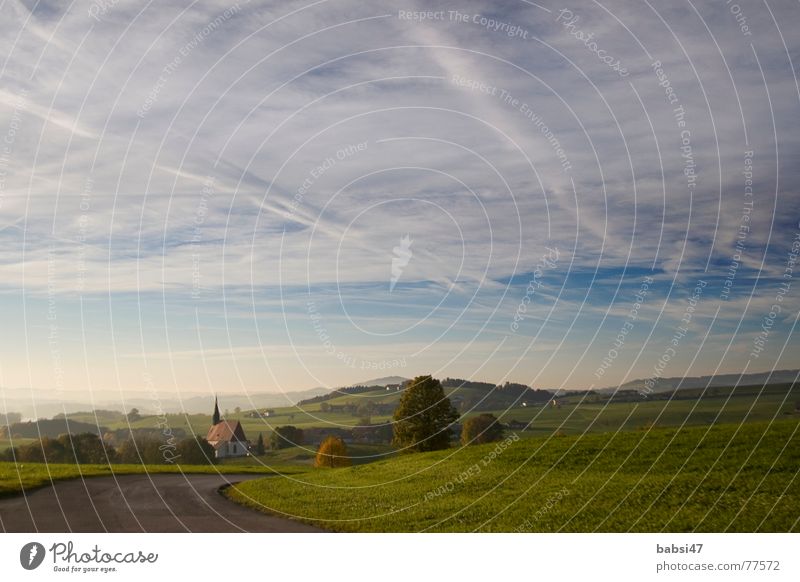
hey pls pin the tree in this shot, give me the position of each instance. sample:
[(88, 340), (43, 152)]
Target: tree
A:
[(85, 448), (485, 428), (47, 449), (133, 415), (423, 417), (67, 448), (127, 452), (237, 411), (284, 437), (260, 444), (324, 407), (332, 453)]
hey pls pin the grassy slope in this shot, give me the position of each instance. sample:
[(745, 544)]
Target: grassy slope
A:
[(16, 477), (726, 477)]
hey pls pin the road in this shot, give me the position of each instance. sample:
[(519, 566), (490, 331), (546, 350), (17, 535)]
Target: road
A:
[(138, 503)]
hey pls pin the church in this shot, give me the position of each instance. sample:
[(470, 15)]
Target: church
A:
[(227, 437)]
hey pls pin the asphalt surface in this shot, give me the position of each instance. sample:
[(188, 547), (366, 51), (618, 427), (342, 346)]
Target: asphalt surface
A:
[(138, 503)]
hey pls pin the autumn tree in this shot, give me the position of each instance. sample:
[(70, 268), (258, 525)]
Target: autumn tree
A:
[(485, 428), (423, 417), (332, 453)]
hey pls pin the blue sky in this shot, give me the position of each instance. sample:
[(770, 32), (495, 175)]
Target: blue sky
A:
[(214, 196)]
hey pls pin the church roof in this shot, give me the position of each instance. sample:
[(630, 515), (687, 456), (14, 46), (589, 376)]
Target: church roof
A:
[(226, 431)]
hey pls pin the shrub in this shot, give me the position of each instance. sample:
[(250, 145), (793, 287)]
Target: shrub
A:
[(485, 428), (284, 437)]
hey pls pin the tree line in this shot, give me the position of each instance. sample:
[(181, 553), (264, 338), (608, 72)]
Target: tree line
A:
[(84, 448)]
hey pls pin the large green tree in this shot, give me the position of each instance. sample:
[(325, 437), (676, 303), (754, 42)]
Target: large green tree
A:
[(423, 417)]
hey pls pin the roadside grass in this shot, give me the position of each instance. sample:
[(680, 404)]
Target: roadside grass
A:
[(16, 477), (720, 478)]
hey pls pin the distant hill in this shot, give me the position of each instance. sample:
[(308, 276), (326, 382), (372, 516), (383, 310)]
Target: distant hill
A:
[(382, 381), (360, 388), (465, 395), (48, 428), (681, 383), (48, 403), (205, 404)]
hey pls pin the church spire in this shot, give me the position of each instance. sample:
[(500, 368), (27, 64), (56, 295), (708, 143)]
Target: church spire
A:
[(215, 418)]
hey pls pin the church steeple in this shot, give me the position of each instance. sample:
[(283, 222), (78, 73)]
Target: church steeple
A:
[(215, 418)]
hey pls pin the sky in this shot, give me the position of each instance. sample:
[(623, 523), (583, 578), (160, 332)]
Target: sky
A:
[(270, 196)]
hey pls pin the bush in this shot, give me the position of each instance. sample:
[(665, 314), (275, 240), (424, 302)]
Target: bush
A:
[(284, 437), (485, 428), (332, 453), (195, 451), (140, 451)]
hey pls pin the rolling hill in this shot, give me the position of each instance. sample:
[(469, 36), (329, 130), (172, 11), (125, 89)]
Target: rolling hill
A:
[(681, 383)]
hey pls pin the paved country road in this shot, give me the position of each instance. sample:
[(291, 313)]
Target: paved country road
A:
[(138, 503)]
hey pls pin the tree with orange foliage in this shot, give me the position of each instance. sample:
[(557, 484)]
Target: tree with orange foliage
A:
[(332, 453)]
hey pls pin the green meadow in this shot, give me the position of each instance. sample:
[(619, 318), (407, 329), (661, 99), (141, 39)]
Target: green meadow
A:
[(726, 477)]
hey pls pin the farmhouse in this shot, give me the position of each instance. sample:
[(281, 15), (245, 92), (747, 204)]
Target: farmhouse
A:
[(227, 437)]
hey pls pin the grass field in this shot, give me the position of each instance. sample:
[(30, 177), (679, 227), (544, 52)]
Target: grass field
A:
[(720, 478), (690, 407), (16, 477)]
